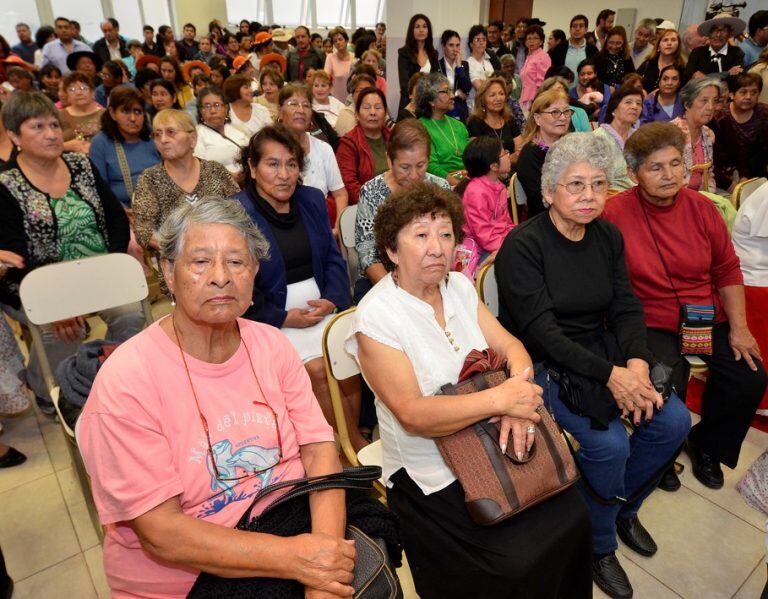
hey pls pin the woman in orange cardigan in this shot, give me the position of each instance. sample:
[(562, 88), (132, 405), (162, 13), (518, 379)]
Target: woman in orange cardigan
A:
[(362, 153)]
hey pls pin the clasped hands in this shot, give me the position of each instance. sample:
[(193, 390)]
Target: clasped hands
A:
[(633, 392), (523, 398)]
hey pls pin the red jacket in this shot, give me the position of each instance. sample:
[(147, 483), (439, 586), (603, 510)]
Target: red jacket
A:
[(356, 160)]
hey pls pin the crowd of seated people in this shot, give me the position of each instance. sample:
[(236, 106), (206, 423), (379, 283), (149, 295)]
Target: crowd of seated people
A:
[(226, 160)]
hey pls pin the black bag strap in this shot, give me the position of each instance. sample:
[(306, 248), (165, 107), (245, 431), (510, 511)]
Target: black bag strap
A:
[(658, 251), (360, 477)]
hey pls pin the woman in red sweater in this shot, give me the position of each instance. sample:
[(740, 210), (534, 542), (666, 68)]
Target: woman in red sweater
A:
[(679, 253), (362, 153)]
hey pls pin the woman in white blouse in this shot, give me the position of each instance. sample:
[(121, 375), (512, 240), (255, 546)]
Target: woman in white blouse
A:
[(320, 167), (411, 334), (750, 240), (217, 140), (244, 115), (481, 63)]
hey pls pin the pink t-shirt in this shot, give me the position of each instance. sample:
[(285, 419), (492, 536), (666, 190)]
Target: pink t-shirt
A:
[(339, 71), (143, 442)]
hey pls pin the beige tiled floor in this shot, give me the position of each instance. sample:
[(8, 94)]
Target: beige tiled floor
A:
[(711, 545)]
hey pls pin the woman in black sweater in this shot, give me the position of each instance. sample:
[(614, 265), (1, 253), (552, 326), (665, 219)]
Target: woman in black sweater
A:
[(564, 290), (614, 61), (418, 54)]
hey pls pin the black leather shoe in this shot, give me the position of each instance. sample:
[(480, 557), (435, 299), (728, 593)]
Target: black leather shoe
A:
[(669, 480), (12, 457), (635, 536), (610, 577), (705, 468)]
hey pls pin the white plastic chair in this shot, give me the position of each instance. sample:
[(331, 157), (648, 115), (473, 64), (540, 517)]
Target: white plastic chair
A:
[(340, 365), (488, 288), (348, 250), (75, 288)]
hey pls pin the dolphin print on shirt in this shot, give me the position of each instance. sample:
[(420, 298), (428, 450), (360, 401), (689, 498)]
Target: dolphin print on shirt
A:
[(231, 465)]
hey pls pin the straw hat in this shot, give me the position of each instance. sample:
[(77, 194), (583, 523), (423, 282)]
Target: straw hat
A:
[(238, 63), (262, 37), (723, 19), (283, 35)]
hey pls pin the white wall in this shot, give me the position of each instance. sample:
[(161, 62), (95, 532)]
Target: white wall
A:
[(458, 15), (557, 14)]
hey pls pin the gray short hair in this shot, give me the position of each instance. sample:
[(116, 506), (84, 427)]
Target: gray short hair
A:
[(572, 149), (209, 210), (694, 87), (22, 106), (426, 93)]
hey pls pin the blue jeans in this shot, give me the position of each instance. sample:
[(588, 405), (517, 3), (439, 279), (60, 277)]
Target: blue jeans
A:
[(616, 463)]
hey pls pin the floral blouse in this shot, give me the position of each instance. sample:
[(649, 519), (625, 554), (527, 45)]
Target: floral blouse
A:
[(372, 195), (707, 138)]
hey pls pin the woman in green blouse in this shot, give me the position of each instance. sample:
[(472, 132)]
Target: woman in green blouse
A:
[(449, 137), (54, 206)]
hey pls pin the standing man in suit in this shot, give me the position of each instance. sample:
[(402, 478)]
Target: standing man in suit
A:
[(111, 46)]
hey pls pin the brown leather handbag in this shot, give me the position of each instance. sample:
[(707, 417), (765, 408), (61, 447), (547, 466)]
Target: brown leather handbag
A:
[(497, 485)]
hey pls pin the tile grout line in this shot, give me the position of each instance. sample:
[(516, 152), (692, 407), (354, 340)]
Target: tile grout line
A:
[(661, 582), (746, 580), (760, 528)]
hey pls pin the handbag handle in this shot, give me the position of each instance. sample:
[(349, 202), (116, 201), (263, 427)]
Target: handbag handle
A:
[(360, 477)]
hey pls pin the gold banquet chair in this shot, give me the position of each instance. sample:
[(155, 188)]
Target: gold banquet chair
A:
[(339, 365), (744, 189)]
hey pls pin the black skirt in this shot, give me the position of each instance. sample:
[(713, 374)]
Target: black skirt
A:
[(544, 552)]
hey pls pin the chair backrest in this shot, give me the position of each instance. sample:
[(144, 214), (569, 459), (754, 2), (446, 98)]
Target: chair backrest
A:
[(347, 226), (342, 364), (512, 202), (68, 289), (487, 289), (348, 250), (520, 198), (744, 189)]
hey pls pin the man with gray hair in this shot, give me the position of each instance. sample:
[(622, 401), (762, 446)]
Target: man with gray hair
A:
[(643, 44), (111, 46)]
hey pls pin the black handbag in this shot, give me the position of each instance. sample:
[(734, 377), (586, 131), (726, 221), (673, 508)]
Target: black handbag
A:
[(369, 523)]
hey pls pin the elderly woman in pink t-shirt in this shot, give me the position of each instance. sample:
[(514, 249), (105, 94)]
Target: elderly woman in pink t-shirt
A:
[(188, 420)]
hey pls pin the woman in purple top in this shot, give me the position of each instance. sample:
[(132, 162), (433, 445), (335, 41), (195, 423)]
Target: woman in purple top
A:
[(664, 104)]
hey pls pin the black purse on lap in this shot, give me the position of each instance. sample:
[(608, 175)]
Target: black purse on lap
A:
[(369, 523)]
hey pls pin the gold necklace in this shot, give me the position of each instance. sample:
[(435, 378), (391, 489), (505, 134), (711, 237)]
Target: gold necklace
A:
[(445, 137)]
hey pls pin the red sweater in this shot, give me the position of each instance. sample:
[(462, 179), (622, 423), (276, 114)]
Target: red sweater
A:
[(356, 160), (696, 248)]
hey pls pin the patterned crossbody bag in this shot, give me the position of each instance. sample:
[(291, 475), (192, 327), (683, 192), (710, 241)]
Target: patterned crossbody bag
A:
[(697, 321)]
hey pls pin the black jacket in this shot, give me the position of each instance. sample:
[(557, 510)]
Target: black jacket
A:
[(313, 60), (699, 60), (558, 53), (100, 48), (461, 81), (407, 67)]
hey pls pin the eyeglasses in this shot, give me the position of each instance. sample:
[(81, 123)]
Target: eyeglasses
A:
[(577, 187), (169, 132), (265, 415), (447, 92), (558, 114), (211, 106), (295, 104), (78, 88)]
